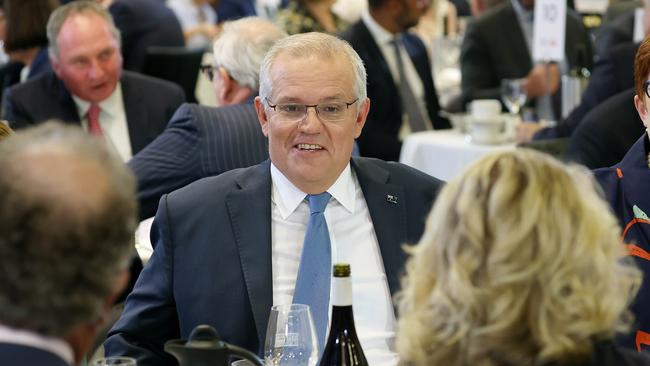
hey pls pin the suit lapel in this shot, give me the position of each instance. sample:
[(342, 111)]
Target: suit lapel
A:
[(388, 214), (68, 106), (136, 114), (521, 62), (250, 217), (374, 53)]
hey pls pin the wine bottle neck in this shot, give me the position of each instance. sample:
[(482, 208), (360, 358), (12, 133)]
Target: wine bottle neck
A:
[(341, 291)]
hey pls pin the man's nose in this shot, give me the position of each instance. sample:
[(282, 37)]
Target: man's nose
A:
[(310, 120), (96, 70)]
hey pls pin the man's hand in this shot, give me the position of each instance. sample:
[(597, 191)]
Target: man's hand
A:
[(525, 131), (542, 79)]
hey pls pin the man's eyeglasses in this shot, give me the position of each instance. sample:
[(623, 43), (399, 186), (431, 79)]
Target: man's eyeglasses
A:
[(208, 70), (645, 87), (329, 112)]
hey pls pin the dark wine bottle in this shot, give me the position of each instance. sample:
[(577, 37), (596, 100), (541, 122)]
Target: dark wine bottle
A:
[(342, 347)]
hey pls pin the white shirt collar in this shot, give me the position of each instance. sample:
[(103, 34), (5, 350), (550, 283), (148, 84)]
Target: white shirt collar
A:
[(379, 33), (27, 338), (108, 105), (523, 14), (287, 196)]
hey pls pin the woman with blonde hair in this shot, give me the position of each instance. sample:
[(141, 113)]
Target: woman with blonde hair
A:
[(521, 263)]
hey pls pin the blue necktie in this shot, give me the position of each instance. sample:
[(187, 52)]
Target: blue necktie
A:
[(313, 282)]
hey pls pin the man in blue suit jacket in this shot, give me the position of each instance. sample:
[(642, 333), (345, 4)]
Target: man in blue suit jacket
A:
[(204, 141), (68, 212), (228, 247), (85, 56), (386, 19)]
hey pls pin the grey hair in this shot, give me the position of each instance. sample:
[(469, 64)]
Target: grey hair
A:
[(67, 219), (313, 44), (62, 13), (241, 46)]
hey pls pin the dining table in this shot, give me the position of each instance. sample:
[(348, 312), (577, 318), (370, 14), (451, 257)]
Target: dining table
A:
[(444, 154)]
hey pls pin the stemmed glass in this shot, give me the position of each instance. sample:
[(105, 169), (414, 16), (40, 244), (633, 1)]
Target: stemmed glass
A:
[(513, 94), (290, 337)]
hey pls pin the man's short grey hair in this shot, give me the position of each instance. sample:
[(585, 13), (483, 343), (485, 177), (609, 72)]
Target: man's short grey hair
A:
[(241, 46), (67, 219), (314, 44), (62, 13)]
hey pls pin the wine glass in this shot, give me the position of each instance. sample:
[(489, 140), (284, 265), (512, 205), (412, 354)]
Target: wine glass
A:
[(290, 337), (513, 94)]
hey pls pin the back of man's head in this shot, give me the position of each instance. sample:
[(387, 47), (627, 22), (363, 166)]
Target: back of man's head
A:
[(67, 217), (241, 46)]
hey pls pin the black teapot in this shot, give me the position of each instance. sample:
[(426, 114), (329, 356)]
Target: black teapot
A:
[(205, 348)]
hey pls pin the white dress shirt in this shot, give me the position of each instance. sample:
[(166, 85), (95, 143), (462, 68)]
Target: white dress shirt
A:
[(353, 241), (384, 40), (27, 338), (112, 118)]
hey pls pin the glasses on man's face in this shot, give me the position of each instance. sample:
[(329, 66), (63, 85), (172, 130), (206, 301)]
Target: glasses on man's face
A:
[(328, 112), (645, 88), (208, 70)]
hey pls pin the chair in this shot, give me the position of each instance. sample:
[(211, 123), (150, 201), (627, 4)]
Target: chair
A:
[(606, 132), (179, 65)]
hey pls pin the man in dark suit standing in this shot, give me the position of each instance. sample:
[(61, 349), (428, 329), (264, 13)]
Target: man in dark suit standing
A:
[(88, 86), (205, 141), (67, 215), (498, 45), (228, 247), (142, 24), (399, 71)]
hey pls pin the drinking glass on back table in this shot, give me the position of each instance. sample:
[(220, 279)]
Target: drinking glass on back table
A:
[(513, 94), (290, 337)]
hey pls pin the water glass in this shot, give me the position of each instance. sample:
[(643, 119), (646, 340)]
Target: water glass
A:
[(291, 337)]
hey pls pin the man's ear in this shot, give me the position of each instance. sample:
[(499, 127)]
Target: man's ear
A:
[(362, 114), (262, 116), (641, 109), (226, 86)]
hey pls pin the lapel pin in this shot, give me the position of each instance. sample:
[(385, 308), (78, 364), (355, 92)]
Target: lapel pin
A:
[(392, 199)]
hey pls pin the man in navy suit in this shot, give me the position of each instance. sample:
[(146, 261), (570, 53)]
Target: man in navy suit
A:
[(372, 38), (67, 215), (142, 24), (205, 141), (228, 247), (131, 109)]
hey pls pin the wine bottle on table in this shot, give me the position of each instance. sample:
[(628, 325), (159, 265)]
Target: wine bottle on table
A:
[(342, 347)]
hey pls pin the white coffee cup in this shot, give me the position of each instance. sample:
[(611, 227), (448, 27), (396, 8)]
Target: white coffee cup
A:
[(484, 109), (489, 131)]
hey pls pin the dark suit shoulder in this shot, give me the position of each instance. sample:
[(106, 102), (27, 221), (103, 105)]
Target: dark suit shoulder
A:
[(213, 190), (45, 84), (150, 82)]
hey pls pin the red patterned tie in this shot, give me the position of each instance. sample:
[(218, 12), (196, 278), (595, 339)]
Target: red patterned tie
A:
[(94, 128)]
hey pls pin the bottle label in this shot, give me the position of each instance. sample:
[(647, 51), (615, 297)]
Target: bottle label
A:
[(341, 291)]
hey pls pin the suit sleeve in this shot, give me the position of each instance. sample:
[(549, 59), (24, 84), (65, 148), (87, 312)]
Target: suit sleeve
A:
[(600, 88), (14, 112), (170, 162), (149, 318), (477, 72)]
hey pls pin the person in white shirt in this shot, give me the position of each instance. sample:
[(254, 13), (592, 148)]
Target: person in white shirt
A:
[(227, 248), (67, 217)]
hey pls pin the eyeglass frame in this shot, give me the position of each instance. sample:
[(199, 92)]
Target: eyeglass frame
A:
[(645, 88), (210, 71), (307, 106)]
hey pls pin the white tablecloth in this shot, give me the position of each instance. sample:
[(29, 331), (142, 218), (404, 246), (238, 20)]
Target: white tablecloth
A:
[(444, 154)]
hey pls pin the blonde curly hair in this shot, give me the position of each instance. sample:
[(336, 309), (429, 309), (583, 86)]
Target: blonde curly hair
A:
[(521, 263)]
